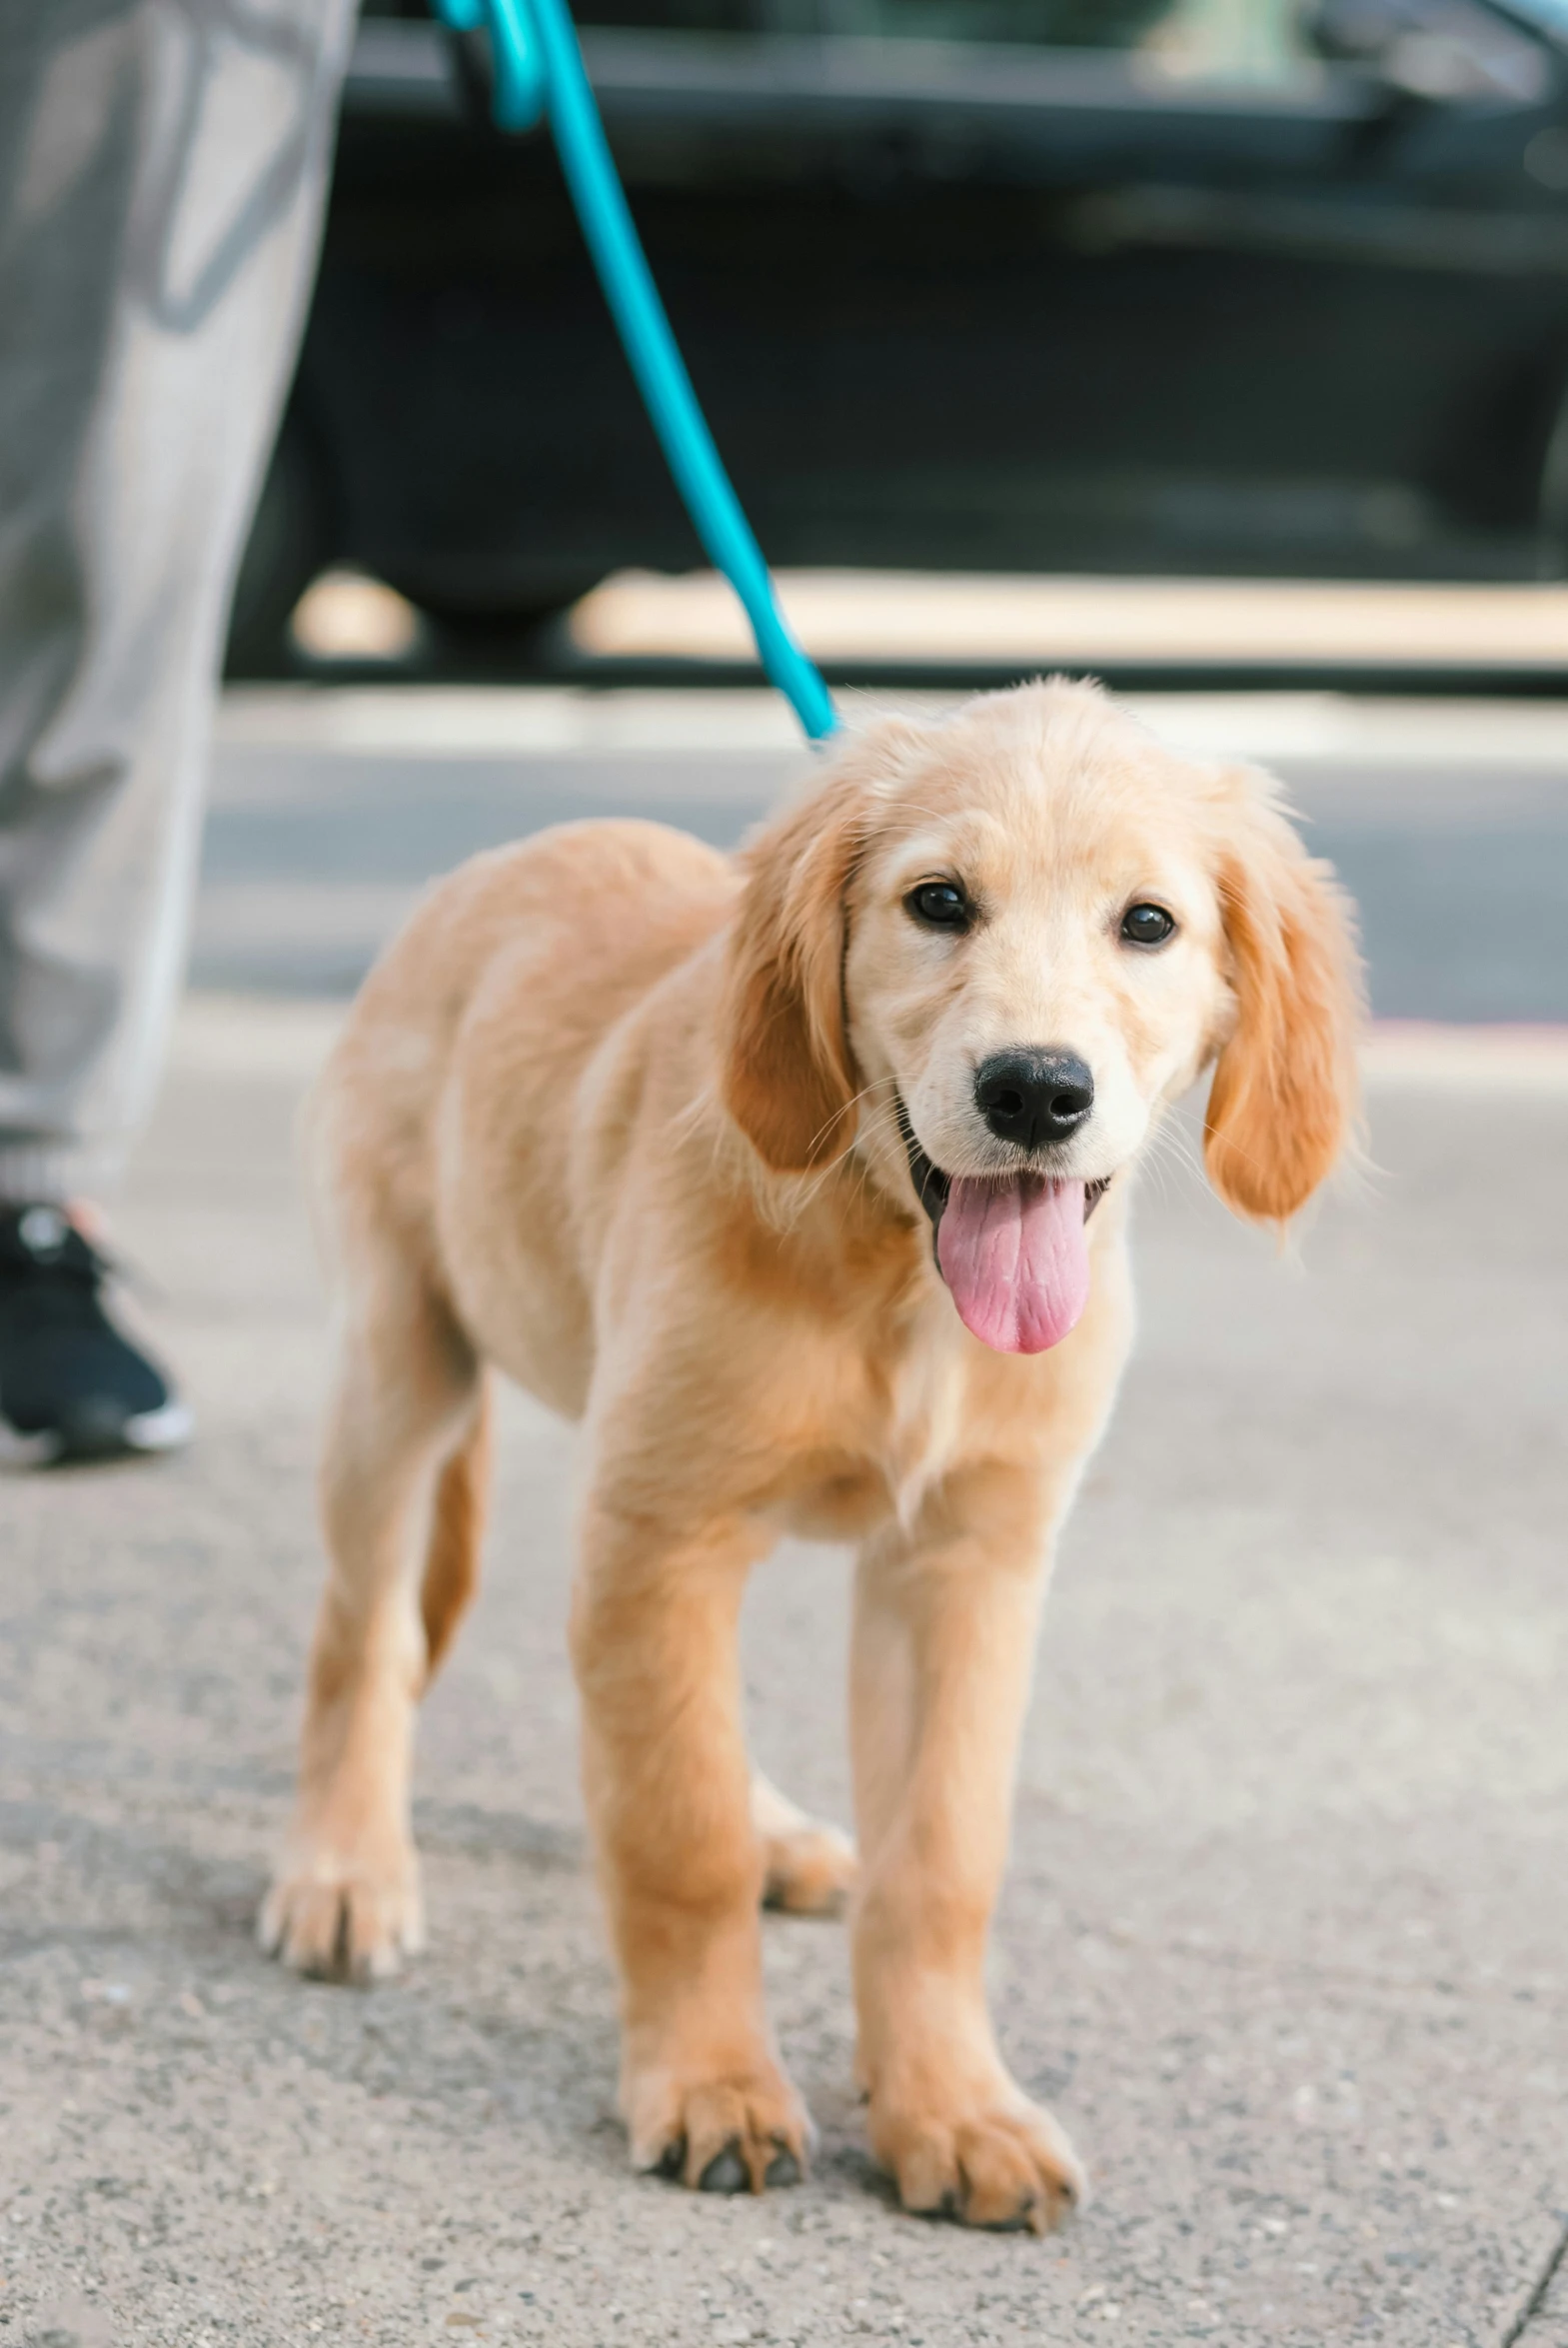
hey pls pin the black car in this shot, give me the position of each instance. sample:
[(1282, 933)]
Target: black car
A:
[(1186, 286)]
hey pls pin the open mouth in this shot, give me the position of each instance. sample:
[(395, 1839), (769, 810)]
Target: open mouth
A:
[(932, 1187), (1011, 1247)]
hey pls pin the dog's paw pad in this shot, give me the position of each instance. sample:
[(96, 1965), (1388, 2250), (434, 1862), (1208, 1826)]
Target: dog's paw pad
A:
[(724, 2173)]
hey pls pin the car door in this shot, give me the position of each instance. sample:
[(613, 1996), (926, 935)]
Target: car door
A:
[(1163, 284), (1227, 296)]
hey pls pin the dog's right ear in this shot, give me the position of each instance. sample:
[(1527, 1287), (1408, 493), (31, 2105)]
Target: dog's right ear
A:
[(789, 1078)]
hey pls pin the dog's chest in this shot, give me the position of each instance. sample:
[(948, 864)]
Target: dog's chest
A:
[(892, 1432), (922, 1387)]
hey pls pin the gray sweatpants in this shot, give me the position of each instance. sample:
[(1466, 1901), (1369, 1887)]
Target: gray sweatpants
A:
[(162, 170)]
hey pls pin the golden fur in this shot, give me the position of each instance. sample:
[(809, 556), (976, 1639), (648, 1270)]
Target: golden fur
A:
[(615, 1115)]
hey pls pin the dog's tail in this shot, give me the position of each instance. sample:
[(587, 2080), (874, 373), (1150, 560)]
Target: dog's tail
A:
[(457, 1534)]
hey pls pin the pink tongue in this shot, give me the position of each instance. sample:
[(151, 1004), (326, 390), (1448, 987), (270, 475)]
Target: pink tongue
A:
[(1015, 1256)]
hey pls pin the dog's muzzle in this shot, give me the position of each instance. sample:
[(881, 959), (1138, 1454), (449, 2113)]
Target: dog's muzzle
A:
[(931, 1186)]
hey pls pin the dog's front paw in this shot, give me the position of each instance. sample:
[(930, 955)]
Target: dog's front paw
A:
[(987, 2159), (341, 1914), (736, 2133)]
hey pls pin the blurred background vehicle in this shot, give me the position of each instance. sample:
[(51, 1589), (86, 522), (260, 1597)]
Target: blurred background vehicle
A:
[(1191, 287)]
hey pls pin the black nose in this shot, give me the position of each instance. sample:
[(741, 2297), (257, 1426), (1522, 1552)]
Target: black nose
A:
[(1032, 1098)]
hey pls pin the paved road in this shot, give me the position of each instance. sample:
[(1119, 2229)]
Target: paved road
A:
[(1449, 824), (1286, 1934)]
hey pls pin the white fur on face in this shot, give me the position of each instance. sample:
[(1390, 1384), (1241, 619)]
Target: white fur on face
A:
[(1054, 814)]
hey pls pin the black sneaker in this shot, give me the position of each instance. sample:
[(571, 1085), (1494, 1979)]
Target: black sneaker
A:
[(71, 1386)]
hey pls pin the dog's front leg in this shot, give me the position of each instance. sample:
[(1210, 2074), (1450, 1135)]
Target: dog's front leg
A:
[(664, 1771), (944, 1645)]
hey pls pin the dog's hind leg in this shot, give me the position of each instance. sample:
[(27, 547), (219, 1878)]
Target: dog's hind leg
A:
[(402, 1506), (457, 1534), (807, 1867)]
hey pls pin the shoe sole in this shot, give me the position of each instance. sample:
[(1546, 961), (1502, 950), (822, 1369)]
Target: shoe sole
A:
[(168, 1429), (146, 1436)]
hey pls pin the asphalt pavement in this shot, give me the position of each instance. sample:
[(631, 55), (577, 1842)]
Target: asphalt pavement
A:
[(1286, 1936)]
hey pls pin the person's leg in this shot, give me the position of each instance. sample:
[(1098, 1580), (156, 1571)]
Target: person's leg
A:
[(162, 170)]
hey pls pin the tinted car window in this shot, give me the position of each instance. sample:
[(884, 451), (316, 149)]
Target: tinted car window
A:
[(1434, 48)]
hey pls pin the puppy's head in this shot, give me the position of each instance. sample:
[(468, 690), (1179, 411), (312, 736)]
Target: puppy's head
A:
[(987, 953)]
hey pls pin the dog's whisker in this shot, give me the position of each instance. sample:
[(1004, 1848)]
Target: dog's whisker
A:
[(854, 1101)]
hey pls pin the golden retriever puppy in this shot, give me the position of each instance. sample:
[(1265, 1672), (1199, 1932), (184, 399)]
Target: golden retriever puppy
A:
[(802, 1180)]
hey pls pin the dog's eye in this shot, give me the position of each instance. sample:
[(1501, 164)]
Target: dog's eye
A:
[(1147, 924), (940, 903)]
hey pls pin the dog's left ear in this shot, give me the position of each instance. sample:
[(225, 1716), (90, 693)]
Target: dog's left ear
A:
[(1283, 1099), (789, 1078)]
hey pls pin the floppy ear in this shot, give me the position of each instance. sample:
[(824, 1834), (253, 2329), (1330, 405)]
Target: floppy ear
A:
[(789, 1080), (1284, 1096)]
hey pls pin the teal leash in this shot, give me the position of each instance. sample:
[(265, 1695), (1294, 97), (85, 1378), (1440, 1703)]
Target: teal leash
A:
[(537, 71)]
